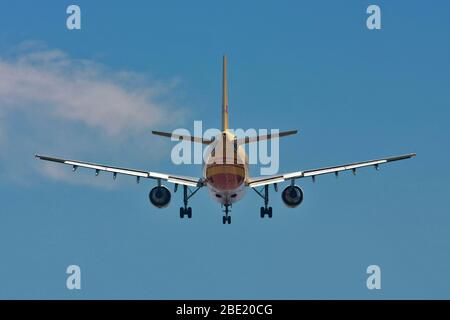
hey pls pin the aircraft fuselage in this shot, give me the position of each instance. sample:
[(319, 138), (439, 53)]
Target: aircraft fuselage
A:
[(226, 169)]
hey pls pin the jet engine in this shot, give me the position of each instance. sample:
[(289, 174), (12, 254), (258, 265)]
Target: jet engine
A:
[(292, 196), (160, 196)]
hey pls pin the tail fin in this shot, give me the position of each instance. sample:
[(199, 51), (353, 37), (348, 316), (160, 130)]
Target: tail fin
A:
[(224, 96)]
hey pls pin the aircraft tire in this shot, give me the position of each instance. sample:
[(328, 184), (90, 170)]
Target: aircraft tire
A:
[(182, 212)]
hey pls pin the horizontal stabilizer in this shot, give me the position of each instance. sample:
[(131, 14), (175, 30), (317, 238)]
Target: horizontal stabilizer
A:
[(266, 137), (175, 136)]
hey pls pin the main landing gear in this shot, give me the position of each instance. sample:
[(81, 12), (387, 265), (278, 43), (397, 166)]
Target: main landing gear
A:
[(187, 211), (266, 211), (226, 218), (265, 195)]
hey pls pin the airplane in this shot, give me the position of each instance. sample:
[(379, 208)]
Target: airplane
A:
[(225, 174)]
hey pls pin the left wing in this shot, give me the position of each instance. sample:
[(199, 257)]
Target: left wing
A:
[(262, 181), (187, 181)]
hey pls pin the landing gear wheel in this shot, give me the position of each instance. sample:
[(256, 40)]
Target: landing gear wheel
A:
[(182, 212), (189, 212), (226, 219), (266, 211)]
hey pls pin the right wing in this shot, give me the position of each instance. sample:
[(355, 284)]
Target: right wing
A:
[(262, 181), (187, 181)]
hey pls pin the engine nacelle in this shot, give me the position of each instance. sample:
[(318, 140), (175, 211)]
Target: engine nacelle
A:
[(160, 196), (292, 196)]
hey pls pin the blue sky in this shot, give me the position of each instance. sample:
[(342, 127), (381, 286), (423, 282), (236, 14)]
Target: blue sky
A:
[(354, 94)]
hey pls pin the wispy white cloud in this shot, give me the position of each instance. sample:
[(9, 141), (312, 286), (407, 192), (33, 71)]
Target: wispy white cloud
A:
[(68, 106), (80, 90)]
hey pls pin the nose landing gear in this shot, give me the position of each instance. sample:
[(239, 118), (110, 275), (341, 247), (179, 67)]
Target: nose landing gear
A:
[(226, 218)]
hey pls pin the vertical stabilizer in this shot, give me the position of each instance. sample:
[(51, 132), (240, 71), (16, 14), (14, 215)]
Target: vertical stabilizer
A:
[(224, 96)]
